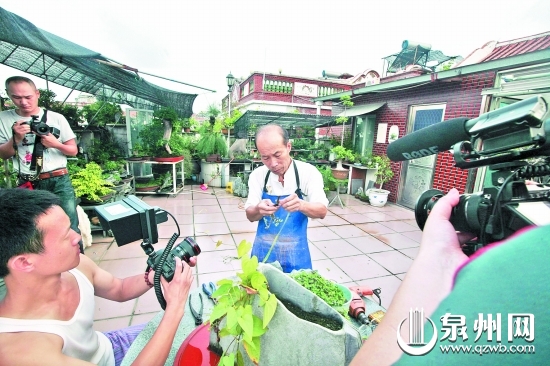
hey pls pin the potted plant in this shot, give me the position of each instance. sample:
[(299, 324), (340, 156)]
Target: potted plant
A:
[(90, 185), (378, 196), (340, 154), (263, 309)]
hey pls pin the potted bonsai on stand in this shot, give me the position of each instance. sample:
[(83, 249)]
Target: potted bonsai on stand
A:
[(378, 196), (340, 154)]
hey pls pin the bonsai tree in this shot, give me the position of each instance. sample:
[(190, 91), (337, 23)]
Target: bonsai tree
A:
[(341, 153), (163, 137), (384, 172), (347, 103), (211, 143), (89, 183)]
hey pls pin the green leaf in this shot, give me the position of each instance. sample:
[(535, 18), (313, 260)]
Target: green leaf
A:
[(243, 248), (264, 295), (269, 309), (228, 360), (258, 280), (246, 322), (253, 349), (258, 329), (222, 290), (240, 360), (250, 266), (219, 311), (231, 317)]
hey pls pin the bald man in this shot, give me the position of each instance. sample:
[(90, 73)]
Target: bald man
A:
[(282, 195)]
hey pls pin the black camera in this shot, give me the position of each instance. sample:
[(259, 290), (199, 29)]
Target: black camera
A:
[(41, 128), (185, 250), (514, 144)]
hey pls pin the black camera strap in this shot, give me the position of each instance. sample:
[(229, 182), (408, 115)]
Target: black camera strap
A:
[(38, 150)]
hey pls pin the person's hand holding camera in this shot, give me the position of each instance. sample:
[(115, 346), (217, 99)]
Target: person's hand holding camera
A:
[(439, 238), (20, 129), (177, 290)]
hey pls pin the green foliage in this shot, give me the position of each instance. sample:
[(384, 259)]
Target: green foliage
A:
[(71, 112), (229, 121), (89, 183), (46, 98), (341, 153), (320, 286), (152, 138), (384, 172), (100, 113), (234, 303), (329, 182), (211, 143), (345, 100), (165, 113), (105, 148), (8, 174)]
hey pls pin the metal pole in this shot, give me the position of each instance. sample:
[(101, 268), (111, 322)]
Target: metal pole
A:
[(229, 116)]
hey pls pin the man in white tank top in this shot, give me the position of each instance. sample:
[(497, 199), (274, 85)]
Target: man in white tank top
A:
[(46, 316)]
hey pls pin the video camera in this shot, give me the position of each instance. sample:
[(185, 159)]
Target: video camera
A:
[(130, 220), (514, 143), (41, 128)]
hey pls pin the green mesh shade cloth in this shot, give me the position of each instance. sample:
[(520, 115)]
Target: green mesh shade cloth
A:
[(40, 53), (251, 120)]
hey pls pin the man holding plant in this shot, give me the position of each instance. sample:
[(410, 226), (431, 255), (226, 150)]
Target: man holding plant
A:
[(283, 194)]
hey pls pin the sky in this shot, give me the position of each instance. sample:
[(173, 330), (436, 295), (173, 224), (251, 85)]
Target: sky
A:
[(200, 42)]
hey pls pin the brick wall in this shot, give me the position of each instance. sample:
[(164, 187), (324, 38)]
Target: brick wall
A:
[(462, 98)]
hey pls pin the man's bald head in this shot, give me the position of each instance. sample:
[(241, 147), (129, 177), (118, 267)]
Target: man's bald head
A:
[(269, 130)]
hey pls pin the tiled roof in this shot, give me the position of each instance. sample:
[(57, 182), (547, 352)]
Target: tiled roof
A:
[(520, 46)]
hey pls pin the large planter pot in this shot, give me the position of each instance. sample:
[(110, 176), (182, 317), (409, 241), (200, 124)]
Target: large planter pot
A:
[(214, 174), (169, 159), (291, 340), (378, 197), (340, 173)]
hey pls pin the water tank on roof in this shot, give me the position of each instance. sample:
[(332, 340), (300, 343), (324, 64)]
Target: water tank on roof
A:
[(411, 45), (331, 74)]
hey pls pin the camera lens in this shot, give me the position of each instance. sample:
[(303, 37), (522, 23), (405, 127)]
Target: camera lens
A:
[(186, 249), (43, 129), (424, 205)]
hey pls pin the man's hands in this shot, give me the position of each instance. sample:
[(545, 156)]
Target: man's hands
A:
[(266, 207), (176, 291), (439, 235), (20, 129), (292, 203)]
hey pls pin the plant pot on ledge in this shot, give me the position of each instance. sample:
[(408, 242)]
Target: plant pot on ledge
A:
[(340, 172)]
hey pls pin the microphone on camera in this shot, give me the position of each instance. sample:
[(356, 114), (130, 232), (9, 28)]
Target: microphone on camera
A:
[(430, 140)]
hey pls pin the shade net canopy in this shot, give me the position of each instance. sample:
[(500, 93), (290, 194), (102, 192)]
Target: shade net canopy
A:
[(45, 55), (248, 123)]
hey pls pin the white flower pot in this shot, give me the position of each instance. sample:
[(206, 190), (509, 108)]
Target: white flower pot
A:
[(377, 197)]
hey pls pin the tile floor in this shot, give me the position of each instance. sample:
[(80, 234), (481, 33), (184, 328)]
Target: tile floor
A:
[(355, 245)]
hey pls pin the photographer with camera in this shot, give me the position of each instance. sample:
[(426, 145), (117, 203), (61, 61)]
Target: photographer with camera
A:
[(49, 302), (502, 278), (39, 156)]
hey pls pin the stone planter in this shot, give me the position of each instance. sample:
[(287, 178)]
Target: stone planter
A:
[(292, 340)]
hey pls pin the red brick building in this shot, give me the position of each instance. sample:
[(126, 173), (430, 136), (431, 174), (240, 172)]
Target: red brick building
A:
[(493, 76)]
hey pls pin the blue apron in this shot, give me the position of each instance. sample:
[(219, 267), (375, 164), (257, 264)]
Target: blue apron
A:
[(291, 249)]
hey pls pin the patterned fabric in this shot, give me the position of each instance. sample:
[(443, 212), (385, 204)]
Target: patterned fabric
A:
[(122, 339)]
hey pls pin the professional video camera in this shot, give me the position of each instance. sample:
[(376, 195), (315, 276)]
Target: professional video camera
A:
[(41, 128), (132, 219), (514, 143)]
